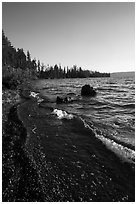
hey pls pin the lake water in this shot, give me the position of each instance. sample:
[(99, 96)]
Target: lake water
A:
[(111, 114), (83, 150)]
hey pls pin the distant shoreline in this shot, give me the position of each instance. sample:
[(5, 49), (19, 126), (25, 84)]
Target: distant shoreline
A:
[(117, 74), (122, 72)]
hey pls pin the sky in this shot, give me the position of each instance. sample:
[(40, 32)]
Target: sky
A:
[(93, 35)]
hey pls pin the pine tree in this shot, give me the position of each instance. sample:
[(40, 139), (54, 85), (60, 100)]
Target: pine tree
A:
[(28, 57), (20, 59), (29, 62), (38, 66), (34, 66)]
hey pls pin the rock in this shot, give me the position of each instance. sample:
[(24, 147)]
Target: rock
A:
[(63, 100), (25, 94), (87, 90)]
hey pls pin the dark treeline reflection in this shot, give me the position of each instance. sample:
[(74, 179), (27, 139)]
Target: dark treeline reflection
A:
[(18, 66)]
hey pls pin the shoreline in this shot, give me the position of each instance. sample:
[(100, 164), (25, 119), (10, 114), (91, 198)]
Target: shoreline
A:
[(25, 173), (22, 172)]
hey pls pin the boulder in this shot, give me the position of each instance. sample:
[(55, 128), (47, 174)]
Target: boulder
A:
[(87, 90)]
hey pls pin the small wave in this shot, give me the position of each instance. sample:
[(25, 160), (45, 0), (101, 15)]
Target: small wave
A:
[(123, 106), (112, 89), (110, 82), (71, 94), (98, 104), (120, 150), (131, 105), (62, 114), (120, 90), (103, 107), (36, 95)]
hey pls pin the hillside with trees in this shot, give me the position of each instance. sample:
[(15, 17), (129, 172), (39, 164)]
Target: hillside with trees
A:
[(18, 66)]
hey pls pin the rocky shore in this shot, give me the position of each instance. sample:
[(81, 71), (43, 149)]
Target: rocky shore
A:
[(42, 162), (19, 181)]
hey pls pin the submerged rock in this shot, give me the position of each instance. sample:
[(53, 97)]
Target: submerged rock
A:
[(63, 100), (88, 90)]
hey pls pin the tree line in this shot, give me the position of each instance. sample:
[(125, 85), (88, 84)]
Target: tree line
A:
[(16, 58), (16, 62), (57, 71)]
